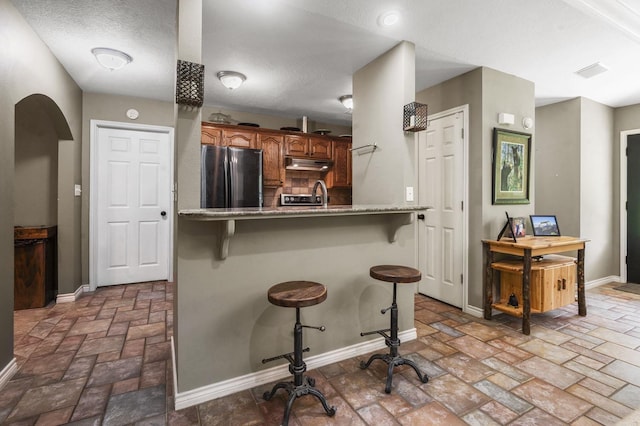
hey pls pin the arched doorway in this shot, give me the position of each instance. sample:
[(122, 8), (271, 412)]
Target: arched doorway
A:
[(39, 127)]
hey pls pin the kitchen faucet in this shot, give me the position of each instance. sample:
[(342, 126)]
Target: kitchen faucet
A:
[(323, 191)]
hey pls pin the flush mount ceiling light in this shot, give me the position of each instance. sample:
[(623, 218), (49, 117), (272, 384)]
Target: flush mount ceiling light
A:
[(231, 79), (111, 59), (388, 19), (592, 70), (347, 101)]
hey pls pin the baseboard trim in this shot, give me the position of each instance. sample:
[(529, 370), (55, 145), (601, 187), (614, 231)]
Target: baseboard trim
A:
[(475, 311), (72, 297), (7, 372), (248, 381), (602, 281)]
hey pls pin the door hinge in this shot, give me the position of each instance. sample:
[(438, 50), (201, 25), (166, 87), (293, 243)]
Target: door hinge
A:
[(462, 133), (175, 191), (626, 205), (625, 259), (462, 205), (461, 279), (626, 151)]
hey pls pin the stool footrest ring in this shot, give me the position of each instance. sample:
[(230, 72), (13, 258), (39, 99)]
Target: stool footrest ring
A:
[(383, 333), (288, 356), (321, 327)]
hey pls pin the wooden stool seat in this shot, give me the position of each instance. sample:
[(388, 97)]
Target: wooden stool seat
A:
[(395, 274), (297, 294)]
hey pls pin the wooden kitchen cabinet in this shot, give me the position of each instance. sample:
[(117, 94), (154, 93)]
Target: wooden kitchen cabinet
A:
[(240, 138), (276, 144), (307, 146), (272, 146), (226, 135), (340, 174), (553, 283), (211, 135), (296, 145), (320, 148)]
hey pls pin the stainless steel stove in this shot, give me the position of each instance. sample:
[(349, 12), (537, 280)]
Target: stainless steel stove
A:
[(291, 200)]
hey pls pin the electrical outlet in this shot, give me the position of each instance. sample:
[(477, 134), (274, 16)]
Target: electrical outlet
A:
[(409, 196)]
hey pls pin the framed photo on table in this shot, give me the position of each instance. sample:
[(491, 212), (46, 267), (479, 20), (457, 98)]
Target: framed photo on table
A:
[(511, 161)]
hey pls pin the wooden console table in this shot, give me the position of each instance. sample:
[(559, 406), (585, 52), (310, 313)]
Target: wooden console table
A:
[(527, 248)]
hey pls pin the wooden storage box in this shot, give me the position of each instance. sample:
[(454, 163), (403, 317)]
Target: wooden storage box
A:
[(552, 285)]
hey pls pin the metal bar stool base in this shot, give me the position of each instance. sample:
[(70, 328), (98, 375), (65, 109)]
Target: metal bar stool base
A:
[(393, 359), (392, 362), (306, 388), (301, 384)]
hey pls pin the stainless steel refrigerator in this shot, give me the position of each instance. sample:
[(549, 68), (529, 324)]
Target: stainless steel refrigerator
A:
[(230, 177)]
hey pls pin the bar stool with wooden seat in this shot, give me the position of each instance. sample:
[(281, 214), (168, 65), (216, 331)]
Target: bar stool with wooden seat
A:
[(394, 274), (297, 294)]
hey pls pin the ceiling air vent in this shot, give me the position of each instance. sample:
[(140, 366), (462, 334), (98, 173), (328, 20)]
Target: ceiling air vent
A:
[(592, 70)]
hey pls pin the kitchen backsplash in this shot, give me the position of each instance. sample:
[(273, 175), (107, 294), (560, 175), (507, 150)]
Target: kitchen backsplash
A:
[(302, 183)]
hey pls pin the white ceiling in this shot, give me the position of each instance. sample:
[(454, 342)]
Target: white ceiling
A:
[(299, 55)]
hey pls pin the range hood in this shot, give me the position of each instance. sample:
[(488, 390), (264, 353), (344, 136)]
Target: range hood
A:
[(295, 163)]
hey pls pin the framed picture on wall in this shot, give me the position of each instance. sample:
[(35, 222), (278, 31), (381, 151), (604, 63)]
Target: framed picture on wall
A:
[(511, 161)]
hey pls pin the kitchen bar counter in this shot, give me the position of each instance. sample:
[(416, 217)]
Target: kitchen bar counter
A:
[(298, 211), (402, 215), (226, 325)]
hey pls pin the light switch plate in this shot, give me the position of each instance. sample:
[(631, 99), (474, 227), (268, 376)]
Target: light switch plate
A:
[(409, 196), (77, 190)]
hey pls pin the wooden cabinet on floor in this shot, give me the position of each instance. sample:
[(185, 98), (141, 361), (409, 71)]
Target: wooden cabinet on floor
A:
[(553, 283)]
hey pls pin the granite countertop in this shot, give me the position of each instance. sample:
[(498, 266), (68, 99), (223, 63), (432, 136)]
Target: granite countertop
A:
[(298, 211)]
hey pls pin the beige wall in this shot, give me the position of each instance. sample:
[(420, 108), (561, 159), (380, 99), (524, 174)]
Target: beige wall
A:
[(226, 324), (557, 156), (487, 92), (28, 67), (598, 216), (101, 106), (36, 166), (381, 89), (576, 159)]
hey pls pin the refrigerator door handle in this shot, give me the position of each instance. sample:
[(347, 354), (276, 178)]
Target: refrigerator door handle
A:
[(227, 180)]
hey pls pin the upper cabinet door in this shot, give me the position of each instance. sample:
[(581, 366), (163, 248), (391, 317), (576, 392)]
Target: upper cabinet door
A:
[(296, 145), (211, 136), (340, 174), (320, 148), (272, 159), (240, 138)]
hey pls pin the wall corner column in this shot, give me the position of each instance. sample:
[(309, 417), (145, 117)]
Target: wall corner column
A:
[(187, 155)]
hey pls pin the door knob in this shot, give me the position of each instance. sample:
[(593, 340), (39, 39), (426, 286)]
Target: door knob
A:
[(163, 213), (421, 216)]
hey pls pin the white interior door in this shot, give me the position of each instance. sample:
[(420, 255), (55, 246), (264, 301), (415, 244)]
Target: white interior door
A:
[(131, 195), (441, 234)]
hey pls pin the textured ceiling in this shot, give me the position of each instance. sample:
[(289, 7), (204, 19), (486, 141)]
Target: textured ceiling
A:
[(299, 55)]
